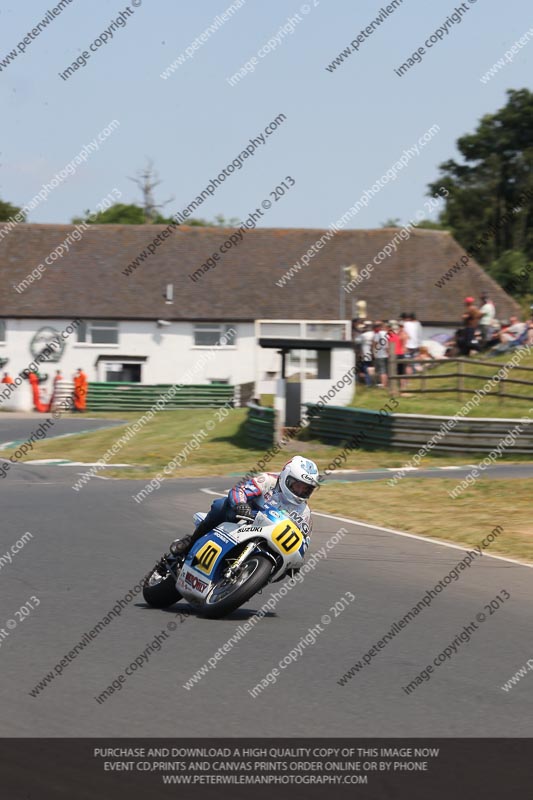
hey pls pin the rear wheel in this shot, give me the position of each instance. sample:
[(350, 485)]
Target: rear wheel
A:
[(229, 594), (159, 589)]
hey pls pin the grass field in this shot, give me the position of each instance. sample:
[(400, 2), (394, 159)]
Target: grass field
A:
[(424, 507), (449, 404), (222, 451)]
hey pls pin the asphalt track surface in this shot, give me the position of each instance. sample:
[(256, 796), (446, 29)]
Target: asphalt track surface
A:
[(90, 547), (19, 429)]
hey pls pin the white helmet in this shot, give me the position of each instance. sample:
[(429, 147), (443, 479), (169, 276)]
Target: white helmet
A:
[(298, 479)]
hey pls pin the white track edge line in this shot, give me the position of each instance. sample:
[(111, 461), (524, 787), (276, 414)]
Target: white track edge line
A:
[(464, 548)]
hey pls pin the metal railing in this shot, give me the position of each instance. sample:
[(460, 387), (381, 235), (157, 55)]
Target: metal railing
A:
[(337, 425)]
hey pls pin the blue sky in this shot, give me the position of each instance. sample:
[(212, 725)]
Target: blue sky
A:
[(343, 130)]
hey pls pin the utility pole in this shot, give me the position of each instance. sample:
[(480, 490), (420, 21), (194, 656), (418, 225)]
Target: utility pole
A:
[(353, 273)]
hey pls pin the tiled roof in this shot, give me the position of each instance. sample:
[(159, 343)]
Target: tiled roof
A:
[(88, 281)]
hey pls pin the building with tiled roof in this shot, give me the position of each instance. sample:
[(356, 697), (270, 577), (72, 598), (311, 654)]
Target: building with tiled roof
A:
[(148, 306)]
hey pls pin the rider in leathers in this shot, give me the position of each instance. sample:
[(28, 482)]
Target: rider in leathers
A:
[(290, 490)]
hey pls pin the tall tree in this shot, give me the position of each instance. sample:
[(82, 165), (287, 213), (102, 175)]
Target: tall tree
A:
[(486, 209), (147, 180), (132, 214)]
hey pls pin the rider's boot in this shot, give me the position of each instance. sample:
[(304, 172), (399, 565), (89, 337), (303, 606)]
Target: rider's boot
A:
[(180, 547)]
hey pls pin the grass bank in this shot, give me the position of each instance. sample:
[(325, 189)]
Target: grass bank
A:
[(449, 404), (221, 451), (423, 506)]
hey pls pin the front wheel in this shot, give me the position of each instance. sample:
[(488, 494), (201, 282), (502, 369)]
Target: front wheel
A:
[(227, 595), (159, 589)]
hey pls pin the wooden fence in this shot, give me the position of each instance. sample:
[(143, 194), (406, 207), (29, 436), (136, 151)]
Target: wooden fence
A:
[(458, 376)]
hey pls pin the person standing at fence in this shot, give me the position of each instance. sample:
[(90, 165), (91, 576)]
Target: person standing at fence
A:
[(367, 362), (471, 319), (381, 354), (486, 320), (413, 329), (80, 390), (397, 339)]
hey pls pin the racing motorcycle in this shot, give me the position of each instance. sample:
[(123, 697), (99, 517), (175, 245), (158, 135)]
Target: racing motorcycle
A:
[(230, 564)]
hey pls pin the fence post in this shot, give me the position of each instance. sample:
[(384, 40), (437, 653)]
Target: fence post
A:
[(392, 369), (460, 379), (500, 391)]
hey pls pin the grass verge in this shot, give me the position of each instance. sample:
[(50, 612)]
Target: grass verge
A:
[(424, 507), (222, 451)]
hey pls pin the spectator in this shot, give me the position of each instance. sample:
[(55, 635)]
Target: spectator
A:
[(397, 339), (512, 335), (529, 329), (380, 349), (367, 362), (471, 319), (7, 378), (413, 329), (486, 320), (514, 330), (402, 364), (357, 335)]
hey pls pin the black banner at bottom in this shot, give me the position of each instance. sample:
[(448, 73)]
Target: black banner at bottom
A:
[(425, 769)]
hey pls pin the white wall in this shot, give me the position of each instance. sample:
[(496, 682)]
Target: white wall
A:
[(171, 357), (170, 353), (342, 362)]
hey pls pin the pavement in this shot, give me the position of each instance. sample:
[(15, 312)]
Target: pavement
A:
[(90, 547)]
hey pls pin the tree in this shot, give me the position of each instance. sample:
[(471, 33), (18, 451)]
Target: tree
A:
[(147, 180), (147, 214), (131, 214), (7, 211), (486, 209), (392, 222), (511, 271), (117, 214), (431, 225)]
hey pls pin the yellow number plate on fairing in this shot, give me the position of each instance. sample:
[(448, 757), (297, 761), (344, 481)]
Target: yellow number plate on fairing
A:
[(206, 557), (287, 537)]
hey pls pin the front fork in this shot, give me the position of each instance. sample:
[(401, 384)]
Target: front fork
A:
[(232, 571)]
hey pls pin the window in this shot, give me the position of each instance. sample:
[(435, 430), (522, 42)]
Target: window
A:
[(211, 334), (325, 330), (286, 330), (2, 330), (120, 372), (298, 358), (98, 332)]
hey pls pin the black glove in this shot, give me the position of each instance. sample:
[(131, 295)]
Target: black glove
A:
[(243, 510)]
